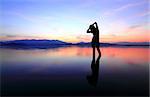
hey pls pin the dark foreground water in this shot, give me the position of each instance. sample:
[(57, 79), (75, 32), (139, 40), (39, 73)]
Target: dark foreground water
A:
[(72, 71)]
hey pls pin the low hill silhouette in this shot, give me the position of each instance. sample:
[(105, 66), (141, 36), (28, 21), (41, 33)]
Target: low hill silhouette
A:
[(29, 44)]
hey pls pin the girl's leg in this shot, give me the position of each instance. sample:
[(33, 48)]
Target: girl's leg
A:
[(99, 52), (93, 52)]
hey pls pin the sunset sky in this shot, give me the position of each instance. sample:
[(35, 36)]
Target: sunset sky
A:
[(68, 20)]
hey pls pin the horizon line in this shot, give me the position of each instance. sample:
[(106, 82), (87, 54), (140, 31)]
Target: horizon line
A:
[(73, 42)]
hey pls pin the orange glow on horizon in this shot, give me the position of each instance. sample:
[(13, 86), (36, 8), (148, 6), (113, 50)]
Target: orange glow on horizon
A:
[(129, 37), (130, 55)]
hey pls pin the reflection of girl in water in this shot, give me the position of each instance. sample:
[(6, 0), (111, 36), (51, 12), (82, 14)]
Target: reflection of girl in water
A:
[(93, 78)]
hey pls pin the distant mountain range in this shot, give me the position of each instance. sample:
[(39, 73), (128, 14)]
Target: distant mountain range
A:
[(34, 42), (29, 44), (57, 43)]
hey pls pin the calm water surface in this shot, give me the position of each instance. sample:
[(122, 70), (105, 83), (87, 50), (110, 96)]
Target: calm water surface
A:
[(69, 71)]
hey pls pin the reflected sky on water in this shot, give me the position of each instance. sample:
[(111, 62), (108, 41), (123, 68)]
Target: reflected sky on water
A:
[(64, 71)]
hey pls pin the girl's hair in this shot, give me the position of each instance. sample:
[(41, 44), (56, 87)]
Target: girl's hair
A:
[(91, 27)]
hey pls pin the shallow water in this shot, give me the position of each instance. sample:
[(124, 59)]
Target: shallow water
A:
[(69, 71)]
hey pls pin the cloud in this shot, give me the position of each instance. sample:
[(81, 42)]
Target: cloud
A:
[(141, 14), (134, 26), (114, 27), (124, 7), (18, 37), (136, 15), (129, 6), (34, 19), (133, 33), (84, 38), (138, 29)]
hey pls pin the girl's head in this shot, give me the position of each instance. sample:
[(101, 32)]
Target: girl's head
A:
[(92, 28)]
